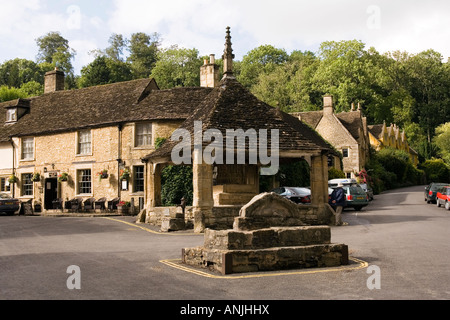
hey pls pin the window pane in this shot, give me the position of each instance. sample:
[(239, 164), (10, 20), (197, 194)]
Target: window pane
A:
[(27, 148), (11, 115), (84, 142), (143, 134), (27, 184), (345, 153), (138, 180), (84, 181)]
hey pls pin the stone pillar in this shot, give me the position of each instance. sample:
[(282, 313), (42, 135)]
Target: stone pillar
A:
[(319, 188), (154, 188), (319, 180), (203, 201)]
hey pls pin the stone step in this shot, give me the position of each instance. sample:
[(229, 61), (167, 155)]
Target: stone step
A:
[(266, 238), (232, 198)]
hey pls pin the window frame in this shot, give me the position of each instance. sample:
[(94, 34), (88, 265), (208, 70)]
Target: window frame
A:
[(27, 156), (11, 115), (143, 139), (4, 186), (80, 144), (80, 176), (26, 185), (137, 179), (344, 151)]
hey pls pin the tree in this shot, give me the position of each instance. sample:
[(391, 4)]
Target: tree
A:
[(177, 67), (117, 44), (15, 72), (104, 70), (10, 93), (442, 141), (55, 49), (345, 71), (260, 60), (143, 53)]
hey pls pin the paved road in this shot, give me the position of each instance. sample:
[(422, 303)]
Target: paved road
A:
[(403, 241)]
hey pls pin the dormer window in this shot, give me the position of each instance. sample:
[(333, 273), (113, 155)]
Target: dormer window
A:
[(11, 115), (16, 109)]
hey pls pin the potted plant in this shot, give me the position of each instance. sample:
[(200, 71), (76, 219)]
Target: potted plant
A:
[(36, 177), (124, 174), (122, 207), (102, 174), (63, 176), (12, 179)]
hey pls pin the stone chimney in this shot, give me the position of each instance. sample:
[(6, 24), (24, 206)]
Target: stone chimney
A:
[(54, 81), (328, 108), (209, 73)]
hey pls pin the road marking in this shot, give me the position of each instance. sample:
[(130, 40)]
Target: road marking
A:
[(153, 231), (176, 263)]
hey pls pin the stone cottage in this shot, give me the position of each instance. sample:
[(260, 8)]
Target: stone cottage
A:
[(81, 133), (382, 136), (346, 131)]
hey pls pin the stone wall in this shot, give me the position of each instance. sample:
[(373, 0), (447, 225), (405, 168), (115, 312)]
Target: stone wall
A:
[(57, 153)]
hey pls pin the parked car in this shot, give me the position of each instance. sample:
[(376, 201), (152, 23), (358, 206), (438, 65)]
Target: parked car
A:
[(443, 197), (368, 190), (430, 191), (8, 204), (356, 197), (295, 194)]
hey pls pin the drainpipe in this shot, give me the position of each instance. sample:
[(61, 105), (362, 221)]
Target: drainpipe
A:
[(119, 157), (13, 168)]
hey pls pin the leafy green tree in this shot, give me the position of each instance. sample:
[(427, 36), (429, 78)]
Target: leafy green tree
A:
[(143, 53), (54, 48), (104, 70), (10, 93), (32, 88), (177, 67), (260, 60), (442, 141), (117, 44), (17, 71)]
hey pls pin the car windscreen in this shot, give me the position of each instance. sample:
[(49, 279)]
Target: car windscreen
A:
[(357, 190), (301, 191)]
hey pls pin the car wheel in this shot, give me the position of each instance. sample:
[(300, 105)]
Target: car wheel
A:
[(447, 205)]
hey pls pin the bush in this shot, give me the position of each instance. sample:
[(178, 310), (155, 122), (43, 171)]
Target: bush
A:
[(334, 173), (436, 170), (176, 183), (391, 168)]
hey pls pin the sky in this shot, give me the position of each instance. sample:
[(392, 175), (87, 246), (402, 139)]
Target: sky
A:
[(386, 25)]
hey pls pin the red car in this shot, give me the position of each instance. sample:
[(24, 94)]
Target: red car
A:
[(443, 197)]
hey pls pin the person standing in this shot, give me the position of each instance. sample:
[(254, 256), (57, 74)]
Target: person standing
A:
[(338, 201)]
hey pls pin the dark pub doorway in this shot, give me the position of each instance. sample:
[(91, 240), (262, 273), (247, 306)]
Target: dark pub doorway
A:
[(51, 192)]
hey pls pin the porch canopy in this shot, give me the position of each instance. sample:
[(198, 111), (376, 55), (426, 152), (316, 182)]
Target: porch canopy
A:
[(271, 136)]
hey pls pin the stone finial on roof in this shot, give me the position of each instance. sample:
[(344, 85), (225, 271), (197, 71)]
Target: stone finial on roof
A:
[(228, 56)]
